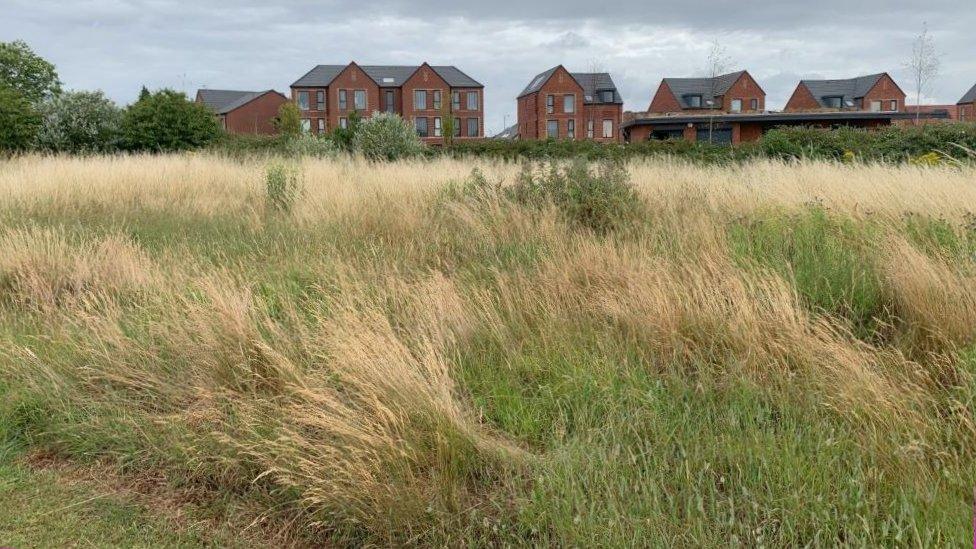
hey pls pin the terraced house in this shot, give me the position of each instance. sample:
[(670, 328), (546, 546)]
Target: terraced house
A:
[(243, 112), (425, 95), (558, 104)]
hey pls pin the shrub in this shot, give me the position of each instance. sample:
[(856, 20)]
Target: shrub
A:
[(289, 120), (343, 137), (167, 121), (386, 137), (19, 121), (79, 122), (284, 184), (600, 199), (308, 145)]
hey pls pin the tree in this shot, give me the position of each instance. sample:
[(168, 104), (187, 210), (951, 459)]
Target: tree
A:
[(343, 137), (167, 121), (19, 120), (447, 124), (718, 64), (386, 136), (79, 122), (924, 64), (26, 72), (289, 120), (143, 93)]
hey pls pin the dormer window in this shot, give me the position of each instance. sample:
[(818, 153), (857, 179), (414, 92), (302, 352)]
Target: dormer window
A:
[(694, 101), (833, 101), (606, 96)]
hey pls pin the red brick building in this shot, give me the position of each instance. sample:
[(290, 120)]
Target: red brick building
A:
[(735, 92), (243, 112), (424, 95), (873, 93), (558, 104), (966, 107)]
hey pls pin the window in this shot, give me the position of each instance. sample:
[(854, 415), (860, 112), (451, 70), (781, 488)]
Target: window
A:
[(343, 123), (753, 104), (437, 100), (589, 129), (360, 98), (457, 127), (303, 100), (552, 128), (456, 101), (736, 105), (571, 129), (420, 100), (320, 100), (606, 96), (550, 104), (473, 127), (472, 100), (390, 101), (342, 100), (833, 102), (306, 125), (876, 106), (607, 127), (893, 105), (437, 126), (321, 125), (569, 104), (420, 124), (694, 101)]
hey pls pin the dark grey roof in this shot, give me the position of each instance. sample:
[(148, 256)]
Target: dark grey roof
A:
[(849, 89), (707, 88), (591, 82), (224, 101), (595, 82), (772, 118), (391, 76), (510, 132), (970, 96)]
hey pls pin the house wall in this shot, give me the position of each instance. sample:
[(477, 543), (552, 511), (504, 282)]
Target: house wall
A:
[(464, 113), (967, 112), (256, 116), (801, 100), (425, 78), (664, 100), (313, 113), (599, 113), (884, 90), (558, 85), (350, 79), (746, 89), (528, 116)]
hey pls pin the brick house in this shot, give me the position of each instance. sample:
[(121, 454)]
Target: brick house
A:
[(558, 104), (966, 107), (735, 92), (423, 95), (874, 93), (243, 112)]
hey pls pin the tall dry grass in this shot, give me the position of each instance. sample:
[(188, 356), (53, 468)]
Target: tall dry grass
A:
[(353, 400)]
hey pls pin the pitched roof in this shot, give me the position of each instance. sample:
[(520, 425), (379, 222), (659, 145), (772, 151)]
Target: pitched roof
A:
[(970, 96), (224, 101), (389, 76), (510, 132), (849, 89), (591, 82), (707, 88)]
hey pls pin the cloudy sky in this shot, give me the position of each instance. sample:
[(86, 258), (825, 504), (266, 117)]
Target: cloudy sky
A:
[(119, 45)]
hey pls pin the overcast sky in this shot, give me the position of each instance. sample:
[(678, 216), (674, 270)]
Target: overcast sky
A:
[(119, 45)]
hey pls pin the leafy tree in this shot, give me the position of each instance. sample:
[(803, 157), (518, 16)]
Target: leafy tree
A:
[(144, 93), (289, 120), (386, 136), (167, 121), (79, 122), (26, 72), (19, 121)]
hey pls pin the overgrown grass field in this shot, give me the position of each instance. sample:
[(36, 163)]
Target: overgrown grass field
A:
[(458, 352)]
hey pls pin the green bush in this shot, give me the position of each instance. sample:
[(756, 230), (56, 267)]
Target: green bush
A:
[(600, 198), (308, 145), (386, 137), (19, 121), (167, 120), (289, 120), (79, 122), (284, 184), (343, 137)]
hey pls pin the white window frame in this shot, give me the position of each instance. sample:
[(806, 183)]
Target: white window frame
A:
[(607, 128), (477, 127), (550, 103), (877, 105), (893, 105), (416, 128), (435, 102), (320, 100), (456, 100), (344, 122), (342, 98), (302, 106)]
